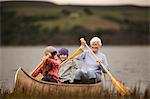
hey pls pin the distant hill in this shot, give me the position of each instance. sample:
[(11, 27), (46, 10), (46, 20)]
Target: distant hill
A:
[(26, 4), (44, 23)]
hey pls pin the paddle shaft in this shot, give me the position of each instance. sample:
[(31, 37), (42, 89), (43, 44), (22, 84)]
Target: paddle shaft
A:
[(110, 75), (99, 61), (73, 55), (43, 60), (65, 61)]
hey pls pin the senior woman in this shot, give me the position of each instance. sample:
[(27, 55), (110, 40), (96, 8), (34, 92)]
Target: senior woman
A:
[(90, 70)]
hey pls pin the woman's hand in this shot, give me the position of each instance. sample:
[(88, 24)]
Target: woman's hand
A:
[(82, 41), (47, 55)]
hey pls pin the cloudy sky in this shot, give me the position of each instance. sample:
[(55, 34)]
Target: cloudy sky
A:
[(96, 2), (103, 2)]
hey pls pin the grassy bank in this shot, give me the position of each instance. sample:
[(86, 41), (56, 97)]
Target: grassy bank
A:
[(106, 94)]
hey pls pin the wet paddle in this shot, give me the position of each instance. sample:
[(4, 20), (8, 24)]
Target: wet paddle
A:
[(118, 85)]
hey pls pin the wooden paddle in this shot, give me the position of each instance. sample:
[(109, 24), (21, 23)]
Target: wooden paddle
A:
[(79, 51), (43, 60), (118, 85), (69, 58)]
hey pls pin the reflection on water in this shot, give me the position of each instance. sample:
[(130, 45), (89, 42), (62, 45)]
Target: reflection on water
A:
[(129, 64)]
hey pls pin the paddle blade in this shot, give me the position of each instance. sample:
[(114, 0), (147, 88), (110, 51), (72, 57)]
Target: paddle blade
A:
[(79, 51), (39, 77), (123, 90)]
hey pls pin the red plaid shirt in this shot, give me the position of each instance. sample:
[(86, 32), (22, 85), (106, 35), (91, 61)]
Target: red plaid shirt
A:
[(53, 72)]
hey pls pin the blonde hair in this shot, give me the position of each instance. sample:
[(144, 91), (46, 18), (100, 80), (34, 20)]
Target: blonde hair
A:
[(96, 39)]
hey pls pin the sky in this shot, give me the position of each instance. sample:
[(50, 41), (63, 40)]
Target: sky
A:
[(95, 2), (103, 2)]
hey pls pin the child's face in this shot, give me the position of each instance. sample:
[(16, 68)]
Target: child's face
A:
[(63, 57)]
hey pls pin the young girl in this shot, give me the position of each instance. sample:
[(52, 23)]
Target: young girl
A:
[(66, 71), (63, 54), (49, 69)]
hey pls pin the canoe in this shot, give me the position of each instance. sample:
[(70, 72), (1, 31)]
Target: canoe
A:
[(28, 85)]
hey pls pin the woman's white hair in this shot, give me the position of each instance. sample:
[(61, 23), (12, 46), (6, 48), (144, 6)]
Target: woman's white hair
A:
[(96, 39)]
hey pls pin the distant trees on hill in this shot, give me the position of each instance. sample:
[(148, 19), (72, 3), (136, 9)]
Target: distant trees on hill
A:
[(23, 29)]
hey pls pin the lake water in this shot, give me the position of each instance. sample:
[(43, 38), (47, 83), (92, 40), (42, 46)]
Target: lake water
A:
[(130, 64)]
